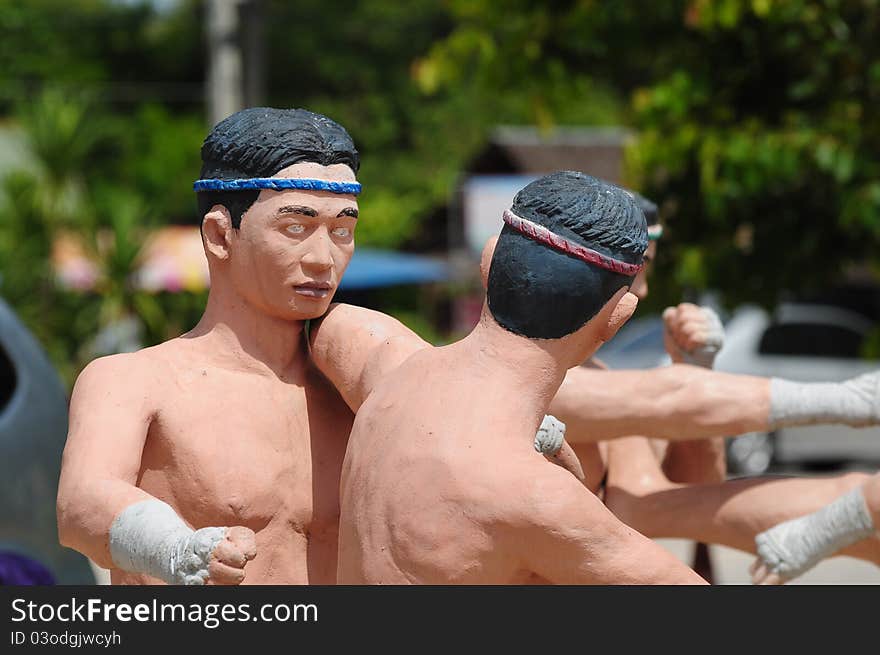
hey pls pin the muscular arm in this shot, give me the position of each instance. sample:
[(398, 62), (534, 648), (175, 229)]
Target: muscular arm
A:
[(677, 402), (570, 537), (109, 420), (683, 402), (101, 511), (355, 347)]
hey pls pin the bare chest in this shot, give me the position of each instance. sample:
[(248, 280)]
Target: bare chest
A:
[(245, 452)]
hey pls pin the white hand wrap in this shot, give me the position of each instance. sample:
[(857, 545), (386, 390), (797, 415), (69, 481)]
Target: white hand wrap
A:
[(550, 435), (855, 402), (149, 537), (792, 548), (705, 355)]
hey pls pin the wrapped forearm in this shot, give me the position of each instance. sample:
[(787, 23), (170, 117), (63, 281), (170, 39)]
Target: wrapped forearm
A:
[(855, 402), (149, 537), (792, 548)]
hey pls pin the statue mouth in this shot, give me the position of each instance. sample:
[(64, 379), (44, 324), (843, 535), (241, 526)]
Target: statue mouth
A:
[(313, 290)]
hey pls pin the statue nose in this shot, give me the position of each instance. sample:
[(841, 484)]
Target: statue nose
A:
[(317, 255)]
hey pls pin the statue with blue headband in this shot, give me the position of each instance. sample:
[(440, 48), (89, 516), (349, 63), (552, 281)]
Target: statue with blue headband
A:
[(214, 458)]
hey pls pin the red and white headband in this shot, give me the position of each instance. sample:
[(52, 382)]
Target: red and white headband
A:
[(543, 235)]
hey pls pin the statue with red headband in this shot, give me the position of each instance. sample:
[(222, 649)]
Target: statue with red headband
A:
[(420, 501)]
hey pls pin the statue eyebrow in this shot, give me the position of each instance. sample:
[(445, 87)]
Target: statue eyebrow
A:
[(296, 209), (348, 211)]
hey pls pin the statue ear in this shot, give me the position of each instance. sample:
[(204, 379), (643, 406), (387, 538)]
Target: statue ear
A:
[(486, 260), (216, 228), (621, 306)]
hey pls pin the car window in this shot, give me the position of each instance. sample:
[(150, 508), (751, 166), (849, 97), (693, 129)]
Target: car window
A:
[(8, 379), (811, 340)]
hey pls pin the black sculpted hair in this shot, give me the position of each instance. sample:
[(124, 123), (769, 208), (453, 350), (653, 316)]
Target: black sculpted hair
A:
[(259, 142), (542, 293), (649, 209)]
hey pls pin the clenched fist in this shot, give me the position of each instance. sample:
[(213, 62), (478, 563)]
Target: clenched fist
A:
[(692, 334), (149, 537), (214, 556), (550, 441), (227, 560)]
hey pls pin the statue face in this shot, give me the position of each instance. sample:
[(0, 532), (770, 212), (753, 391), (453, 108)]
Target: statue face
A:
[(640, 284), (293, 246)]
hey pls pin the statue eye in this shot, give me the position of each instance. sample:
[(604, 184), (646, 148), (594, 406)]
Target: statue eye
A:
[(296, 228), (341, 232)]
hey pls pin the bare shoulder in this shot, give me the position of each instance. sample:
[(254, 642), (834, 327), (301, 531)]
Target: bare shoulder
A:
[(132, 379), (109, 371), (114, 402), (548, 497)]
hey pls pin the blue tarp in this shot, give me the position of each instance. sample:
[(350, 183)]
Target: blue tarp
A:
[(371, 268)]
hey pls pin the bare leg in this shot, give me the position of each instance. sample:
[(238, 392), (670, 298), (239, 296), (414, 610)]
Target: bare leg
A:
[(731, 513), (698, 461)]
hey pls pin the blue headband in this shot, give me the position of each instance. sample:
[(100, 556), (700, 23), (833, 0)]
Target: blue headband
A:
[(277, 184)]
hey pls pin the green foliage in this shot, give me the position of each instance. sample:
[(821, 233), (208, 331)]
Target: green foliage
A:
[(126, 51), (758, 133), (160, 158), (72, 187), (764, 149), (375, 71), (109, 98), (757, 129), (27, 279)]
